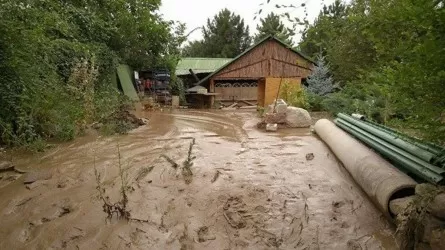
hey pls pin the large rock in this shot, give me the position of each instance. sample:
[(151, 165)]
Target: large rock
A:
[(275, 118), (272, 127), (280, 108), (298, 118)]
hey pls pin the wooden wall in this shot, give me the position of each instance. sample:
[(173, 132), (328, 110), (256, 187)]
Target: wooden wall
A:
[(271, 88), (254, 64), (261, 92), (269, 59)]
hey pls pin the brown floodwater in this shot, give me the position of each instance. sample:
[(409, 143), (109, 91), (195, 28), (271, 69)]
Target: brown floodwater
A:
[(249, 190)]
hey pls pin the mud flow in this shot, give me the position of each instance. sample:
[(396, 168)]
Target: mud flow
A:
[(193, 180)]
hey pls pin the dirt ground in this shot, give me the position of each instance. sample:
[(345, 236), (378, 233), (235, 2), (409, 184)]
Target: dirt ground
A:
[(249, 190)]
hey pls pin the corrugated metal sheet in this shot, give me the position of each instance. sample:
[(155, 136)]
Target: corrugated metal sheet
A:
[(125, 75), (200, 65)]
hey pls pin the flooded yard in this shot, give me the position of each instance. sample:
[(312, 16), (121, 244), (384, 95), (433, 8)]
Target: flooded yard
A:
[(248, 190)]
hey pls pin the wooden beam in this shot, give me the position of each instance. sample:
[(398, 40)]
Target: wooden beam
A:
[(236, 78), (289, 63), (245, 66)]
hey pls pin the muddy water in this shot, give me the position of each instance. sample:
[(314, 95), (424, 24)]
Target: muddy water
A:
[(249, 190)]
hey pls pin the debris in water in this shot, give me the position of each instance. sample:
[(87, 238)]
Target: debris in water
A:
[(234, 219), (6, 166), (203, 234), (172, 162), (36, 176), (143, 173), (310, 156), (216, 176), (232, 212)]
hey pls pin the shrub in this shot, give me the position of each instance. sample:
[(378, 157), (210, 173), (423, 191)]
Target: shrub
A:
[(294, 95)]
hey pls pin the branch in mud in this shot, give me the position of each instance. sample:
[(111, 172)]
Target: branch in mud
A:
[(118, 209), (171, 161), (186, 165), (186, 168)]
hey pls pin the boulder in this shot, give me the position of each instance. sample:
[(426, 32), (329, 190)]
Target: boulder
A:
[(280, 108), (298, 118), (272, 127), (275, 118)]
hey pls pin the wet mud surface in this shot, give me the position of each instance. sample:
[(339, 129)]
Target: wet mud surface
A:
[(247, 190)]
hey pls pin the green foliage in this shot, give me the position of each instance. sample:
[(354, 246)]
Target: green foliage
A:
[(225, 36), (315, 101), (272, 25), (320, 81), (177, 88), (388, 57), (294, 95), (56, 59)]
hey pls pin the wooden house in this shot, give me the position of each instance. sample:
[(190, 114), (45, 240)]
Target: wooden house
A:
[(255, 75)]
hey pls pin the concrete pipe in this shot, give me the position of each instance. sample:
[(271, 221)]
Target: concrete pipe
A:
[(381, 181)]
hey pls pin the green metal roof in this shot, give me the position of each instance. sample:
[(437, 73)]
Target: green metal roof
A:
[(270, 37), (200, 65)]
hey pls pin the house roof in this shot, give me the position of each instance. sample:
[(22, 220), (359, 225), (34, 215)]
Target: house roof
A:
[(267, 38), (200, 65)]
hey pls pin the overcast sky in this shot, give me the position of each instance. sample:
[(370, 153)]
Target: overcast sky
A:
[(194, 13)]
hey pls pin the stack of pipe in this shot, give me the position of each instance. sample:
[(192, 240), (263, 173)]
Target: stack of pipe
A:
[(424, 161)]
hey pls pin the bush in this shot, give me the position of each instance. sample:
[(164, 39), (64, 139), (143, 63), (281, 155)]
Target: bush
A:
[(294, 95), (177, 88), (315, 101)]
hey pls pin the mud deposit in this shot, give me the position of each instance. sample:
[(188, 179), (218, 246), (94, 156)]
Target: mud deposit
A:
[(247, 189)]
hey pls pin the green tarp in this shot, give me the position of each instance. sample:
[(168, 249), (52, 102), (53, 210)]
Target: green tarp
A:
[(126, 78)]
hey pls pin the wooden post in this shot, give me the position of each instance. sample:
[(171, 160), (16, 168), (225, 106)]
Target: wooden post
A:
[(212, 90), (212, 86)]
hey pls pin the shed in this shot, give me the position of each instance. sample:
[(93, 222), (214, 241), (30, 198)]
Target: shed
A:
[(255, 75)]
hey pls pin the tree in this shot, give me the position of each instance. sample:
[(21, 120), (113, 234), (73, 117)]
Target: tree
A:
[(320, 82), (272, 25), (387, 56), (225, 36), (57, 57), (318, 37), (194, 49)]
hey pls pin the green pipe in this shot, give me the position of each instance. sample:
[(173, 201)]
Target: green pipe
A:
[(372, 141), (408, 147), (406, 164), (435, 149), (409, 156)]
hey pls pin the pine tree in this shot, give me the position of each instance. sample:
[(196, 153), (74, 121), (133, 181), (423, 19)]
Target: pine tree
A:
[(320, 82), (225, 35), (272, 25)]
